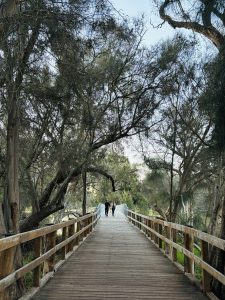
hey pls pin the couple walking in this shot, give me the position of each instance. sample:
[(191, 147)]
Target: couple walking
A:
[(107, 206)]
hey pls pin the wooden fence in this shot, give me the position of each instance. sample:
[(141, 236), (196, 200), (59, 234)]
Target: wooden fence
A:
[(47, 246), (172, 238)]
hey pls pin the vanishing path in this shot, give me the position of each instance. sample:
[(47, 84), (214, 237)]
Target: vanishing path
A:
[(117, 262)]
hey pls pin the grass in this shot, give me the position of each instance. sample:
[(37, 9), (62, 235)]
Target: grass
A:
[(180, 260), (198, 270), (28, 278), (28, 256)]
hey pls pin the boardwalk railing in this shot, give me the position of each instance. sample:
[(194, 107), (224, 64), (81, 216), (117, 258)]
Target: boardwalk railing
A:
[(172, 238), (47, 245)]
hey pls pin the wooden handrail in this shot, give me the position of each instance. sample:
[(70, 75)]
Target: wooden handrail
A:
[(73, 232), (167, 232)]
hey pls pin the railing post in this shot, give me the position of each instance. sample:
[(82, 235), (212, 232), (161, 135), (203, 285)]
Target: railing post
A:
[(51, 241), (206, 277), (160, 232), (71, 231), (189, 245), (37, 253), (155, 229), (77, 240), (151, 226), (134, 218), (85, 222), (128, 215), (91, 222), (174, 239), (64, 236), (148, 224), (81, 227), (167, 245), (6, 260)]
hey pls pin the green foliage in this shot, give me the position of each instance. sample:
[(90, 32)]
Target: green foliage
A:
[(128, 185), (155, 188), (28, 278)]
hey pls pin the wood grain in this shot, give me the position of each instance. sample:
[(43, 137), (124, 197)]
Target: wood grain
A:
[(117, 262)]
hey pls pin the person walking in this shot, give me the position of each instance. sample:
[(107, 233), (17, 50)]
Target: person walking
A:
[(113, 208), (107, 206)]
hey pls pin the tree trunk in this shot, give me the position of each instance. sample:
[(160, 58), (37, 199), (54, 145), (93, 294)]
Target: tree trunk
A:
[(217, 256), (84, 203), (13, 168), (176, 202), (217, 202), (2, 223), (219, 261), (8, 9), (33, 221), (11, 198)]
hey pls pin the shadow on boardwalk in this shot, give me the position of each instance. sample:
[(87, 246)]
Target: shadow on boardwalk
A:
[(117, 262)]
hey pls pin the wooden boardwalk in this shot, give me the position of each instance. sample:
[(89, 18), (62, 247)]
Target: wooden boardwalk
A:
[(117, 262)]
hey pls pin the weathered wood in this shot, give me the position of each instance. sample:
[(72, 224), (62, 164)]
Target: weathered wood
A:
[(160, 232), (20, 238), (212, 240), (217, 275), (64, 236), (37, 253), (11, 278), (118, 262), (6, 260), (71, 230), (174, 239), (188, 261), (206, 277)]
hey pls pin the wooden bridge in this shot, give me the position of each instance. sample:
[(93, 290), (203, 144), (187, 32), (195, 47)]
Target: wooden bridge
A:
[(115, 261)]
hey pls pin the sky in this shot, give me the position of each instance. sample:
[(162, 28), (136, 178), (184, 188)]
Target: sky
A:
[(135, 8)]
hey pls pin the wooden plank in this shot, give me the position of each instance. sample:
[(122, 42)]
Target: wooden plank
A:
[(214, 241), (118, 262), (37, 253), (8, 280), (206, 277), (17, 239), (216, 274)]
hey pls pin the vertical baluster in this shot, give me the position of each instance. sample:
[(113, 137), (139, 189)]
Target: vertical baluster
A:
[(37, 253), (174, 239), (71, 231), (7, 267), (64, 236), (206, 277), (189, 245), (77, 240), (51, 241), (160, 232)]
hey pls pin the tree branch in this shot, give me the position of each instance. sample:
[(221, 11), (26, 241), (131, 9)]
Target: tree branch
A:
[(208, 31)]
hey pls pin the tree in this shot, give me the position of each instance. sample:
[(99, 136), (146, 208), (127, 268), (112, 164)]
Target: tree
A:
[(183, 134), (207, 18)]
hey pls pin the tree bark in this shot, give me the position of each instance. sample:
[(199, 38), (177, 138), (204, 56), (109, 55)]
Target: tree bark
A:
[(13, 167), (84, 203), (8, 9), (2, 223), (209, 32), (217, 195)]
